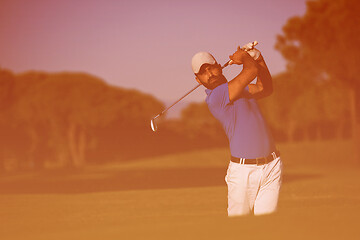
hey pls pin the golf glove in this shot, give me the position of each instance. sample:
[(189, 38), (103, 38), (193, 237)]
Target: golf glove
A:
[(253, 52)]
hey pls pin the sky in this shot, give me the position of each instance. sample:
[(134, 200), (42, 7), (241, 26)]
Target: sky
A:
[(139, 44)]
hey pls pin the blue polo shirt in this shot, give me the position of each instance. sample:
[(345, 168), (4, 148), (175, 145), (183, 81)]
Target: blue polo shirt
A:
[(245, 127)]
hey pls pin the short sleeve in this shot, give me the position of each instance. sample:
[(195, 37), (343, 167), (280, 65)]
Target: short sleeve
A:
[(218, 99)]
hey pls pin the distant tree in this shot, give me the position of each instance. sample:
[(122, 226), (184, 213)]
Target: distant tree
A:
[(321, 104), (19, 136), (297, 104), (70, 106), (277, 108), (59, 117), (129, 134), (74, 103), (325, 41), (7, 79), (6, 86)]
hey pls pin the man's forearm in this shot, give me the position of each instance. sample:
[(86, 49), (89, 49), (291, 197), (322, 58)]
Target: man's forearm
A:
[(246, 76), (265, 76), (263, 86)]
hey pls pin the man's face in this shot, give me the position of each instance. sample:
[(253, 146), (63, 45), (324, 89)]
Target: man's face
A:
[(210, 75)]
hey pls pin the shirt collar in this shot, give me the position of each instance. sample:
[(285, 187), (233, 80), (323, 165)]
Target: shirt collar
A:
[(208, 91)]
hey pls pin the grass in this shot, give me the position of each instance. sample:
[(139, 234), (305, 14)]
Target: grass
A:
[(183, 196)]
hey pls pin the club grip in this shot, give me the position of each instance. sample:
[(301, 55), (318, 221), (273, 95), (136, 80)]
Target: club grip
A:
[(253, 44)]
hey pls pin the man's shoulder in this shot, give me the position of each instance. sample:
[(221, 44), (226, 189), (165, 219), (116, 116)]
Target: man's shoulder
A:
[(218, 90), (221, 87), (218, 97)]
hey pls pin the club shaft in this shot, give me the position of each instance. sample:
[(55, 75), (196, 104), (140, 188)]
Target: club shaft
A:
[(153, 124), (165, 110), (226, 64), (178, 100)]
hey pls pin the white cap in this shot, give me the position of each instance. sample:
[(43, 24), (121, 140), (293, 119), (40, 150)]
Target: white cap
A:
[(201, 58)]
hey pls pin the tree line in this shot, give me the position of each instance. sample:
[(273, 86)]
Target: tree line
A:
[(56, 118), (50, 120), (324, 44)]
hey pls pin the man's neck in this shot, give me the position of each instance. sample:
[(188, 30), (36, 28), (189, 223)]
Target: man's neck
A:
[(219, 83)]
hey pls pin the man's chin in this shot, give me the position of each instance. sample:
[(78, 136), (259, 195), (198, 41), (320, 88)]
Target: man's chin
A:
[(216, 84), (213, 86)]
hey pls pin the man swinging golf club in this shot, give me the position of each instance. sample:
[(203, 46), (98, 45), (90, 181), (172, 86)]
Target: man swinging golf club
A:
[(254, 172)]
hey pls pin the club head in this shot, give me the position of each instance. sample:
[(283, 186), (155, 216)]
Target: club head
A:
[(153, 125)]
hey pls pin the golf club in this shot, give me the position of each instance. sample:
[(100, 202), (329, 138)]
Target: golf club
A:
[(152, 122)]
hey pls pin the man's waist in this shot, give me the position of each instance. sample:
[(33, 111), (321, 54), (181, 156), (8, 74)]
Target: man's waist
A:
[(258, 161), (250, 146)]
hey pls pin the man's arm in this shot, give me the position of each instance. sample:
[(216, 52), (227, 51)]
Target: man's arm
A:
[(249, 72), (263, 86)]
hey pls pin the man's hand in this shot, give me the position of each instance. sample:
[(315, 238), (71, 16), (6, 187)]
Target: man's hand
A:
[(238, 57), (254, 66), (254, 53), (248, 73), (251, 50)]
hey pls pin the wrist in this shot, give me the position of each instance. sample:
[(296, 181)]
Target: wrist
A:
[(260, 58), (249, 62)]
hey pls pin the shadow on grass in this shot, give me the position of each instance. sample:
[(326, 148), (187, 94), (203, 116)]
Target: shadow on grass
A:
[(85, 182)]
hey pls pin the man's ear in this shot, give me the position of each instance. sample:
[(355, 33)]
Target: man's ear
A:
[(197, 79)]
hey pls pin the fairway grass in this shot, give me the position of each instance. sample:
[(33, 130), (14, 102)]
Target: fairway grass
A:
[(183, 196)]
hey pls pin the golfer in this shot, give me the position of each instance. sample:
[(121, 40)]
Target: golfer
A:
[(254, 173)]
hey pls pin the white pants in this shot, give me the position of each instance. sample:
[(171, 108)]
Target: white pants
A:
[(253, 188)]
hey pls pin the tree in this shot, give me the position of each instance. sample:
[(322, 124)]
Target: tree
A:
[(277, 108), (297, 103), (326, 42), (21, 135), (63, 111), (72, 103), (6, 87), (129, 134)]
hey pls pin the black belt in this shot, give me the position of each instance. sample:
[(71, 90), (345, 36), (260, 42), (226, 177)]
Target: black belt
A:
[(258, 161)]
